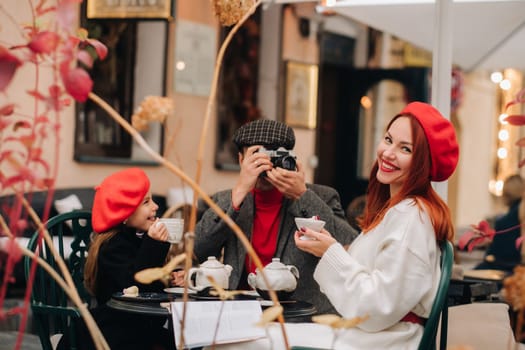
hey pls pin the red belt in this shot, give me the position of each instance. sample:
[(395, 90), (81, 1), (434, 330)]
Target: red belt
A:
[(413, 318)]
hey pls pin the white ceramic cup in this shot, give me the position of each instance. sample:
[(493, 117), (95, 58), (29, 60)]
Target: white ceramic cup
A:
[(175, 227), (311, 223)]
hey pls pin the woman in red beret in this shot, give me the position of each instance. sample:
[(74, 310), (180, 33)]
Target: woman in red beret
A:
[(391, 270), (126, 240)]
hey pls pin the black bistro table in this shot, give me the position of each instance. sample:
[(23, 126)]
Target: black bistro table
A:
[(157, 304), (476, 285)]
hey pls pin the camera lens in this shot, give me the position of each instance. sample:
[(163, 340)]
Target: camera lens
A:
[(286, 162)]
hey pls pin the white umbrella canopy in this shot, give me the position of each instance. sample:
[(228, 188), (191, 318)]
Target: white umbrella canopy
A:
[(485, 34)]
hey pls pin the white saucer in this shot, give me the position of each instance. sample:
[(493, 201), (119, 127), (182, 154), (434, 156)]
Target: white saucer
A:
[(178, 290), (266, 302), (251, 293)]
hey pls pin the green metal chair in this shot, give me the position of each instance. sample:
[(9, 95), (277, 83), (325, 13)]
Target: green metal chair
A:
[(53, 313), (440, 306)]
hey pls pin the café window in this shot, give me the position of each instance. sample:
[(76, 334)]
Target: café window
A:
[(128, 74)]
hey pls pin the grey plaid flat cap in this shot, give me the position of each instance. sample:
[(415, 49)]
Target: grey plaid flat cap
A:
[(268, 133)]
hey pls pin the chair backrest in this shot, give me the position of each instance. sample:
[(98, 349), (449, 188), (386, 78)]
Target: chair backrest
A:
[(52, 310), (440, 306)]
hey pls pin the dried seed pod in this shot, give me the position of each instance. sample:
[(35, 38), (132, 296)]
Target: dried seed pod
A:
[(149, 275), (229, 12), (270, 315), (151, 109)]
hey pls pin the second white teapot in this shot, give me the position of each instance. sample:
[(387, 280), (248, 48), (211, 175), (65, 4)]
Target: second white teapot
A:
[(282, 278)]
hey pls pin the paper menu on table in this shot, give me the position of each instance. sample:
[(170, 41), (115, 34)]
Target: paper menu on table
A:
[(237, 322)]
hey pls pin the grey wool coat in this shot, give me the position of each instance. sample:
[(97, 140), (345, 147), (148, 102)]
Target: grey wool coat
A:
[(212, 235)]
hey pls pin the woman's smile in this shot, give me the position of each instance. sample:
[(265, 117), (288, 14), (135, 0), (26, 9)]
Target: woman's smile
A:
[(387, 167)]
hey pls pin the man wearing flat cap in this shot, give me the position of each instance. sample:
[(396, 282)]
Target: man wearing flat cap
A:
[(267, 197)]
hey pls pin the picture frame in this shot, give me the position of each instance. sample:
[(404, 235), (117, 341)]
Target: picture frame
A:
[(300, 102), (118, 9)]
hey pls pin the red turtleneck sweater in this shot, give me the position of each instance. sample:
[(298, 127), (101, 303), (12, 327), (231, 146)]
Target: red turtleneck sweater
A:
[(265, 229)]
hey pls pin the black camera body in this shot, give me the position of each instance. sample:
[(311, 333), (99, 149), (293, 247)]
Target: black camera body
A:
[(281, 158)]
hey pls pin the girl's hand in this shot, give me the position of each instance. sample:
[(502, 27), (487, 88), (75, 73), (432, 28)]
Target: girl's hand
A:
[(177, 278), (158, 231), (316, 244)]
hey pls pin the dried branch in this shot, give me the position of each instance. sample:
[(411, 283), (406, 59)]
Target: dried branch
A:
[(211, 100)]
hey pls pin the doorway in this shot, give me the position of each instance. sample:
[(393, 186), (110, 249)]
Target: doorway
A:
[(354, 106)]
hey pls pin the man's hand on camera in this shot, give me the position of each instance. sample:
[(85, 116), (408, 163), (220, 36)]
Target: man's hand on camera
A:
[(290, 183), (253, 163)]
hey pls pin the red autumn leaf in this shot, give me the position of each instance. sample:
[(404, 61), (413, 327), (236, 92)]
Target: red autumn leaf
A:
[(7, 110), (84, 57), (515, 119), (78, 84), (44, 42), (100, 48), (520, 98), (521, 163), (8, 66), (481, 233), (3, 124)]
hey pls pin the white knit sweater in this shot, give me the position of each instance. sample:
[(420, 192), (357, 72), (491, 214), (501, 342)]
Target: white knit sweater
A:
[(386, 273)]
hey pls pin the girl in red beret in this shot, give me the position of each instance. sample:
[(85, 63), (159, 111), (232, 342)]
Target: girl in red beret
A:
[(391, 270), (126, 240)]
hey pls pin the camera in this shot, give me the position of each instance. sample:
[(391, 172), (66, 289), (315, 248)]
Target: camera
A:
[(281, 158)]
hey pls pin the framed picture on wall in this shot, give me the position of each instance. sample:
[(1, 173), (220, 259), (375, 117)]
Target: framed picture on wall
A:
[(159, 9), (300, 100)]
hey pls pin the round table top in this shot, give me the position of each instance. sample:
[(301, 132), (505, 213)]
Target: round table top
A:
[(155, 309), (291, 308)]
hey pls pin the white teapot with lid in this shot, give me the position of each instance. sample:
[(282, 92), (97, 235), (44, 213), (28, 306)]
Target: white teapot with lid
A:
[(282, 278), (211, 267)]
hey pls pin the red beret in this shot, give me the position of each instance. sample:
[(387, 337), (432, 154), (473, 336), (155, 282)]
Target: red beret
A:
[(117, 197), (441, 136)]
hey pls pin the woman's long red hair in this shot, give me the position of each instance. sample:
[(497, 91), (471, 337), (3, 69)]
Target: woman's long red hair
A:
[(417, 186)]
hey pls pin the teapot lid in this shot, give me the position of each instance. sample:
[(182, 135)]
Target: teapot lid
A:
[(212, 263), (276, 264)]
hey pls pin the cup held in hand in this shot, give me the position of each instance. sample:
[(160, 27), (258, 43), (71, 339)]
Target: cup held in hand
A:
[(175, 227), (311, 223)]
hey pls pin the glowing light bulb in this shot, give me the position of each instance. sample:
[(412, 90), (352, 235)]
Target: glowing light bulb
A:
[(496, 77), (503, 135), (505, 84), (366, 102), (502, 153), (180, 65)]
